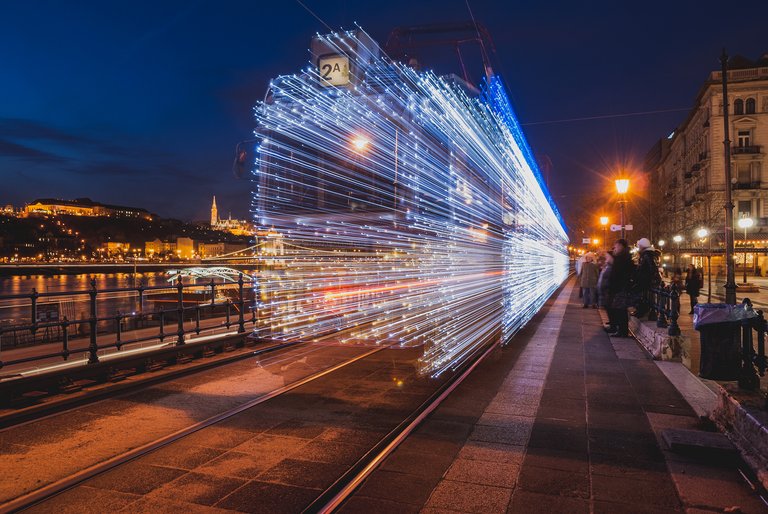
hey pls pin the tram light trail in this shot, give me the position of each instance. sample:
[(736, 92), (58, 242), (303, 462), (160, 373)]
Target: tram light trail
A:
[(410, 211)]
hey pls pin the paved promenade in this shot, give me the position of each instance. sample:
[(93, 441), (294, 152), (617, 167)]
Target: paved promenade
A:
[(565, 420)]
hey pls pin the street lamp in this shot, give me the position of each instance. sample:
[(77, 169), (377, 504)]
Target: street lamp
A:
[(677, 239), (622, 186), (703, 233), (604, 223), (745, 223)]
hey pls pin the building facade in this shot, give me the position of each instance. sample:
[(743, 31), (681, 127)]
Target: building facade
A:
[(84, 207), (687, 169)]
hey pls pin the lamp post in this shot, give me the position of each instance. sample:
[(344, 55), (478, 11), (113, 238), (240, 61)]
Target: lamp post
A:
[(745, 223), (622, 186), (677, 239), (730, 279), (604, 223), (704, 233), (661, 255)]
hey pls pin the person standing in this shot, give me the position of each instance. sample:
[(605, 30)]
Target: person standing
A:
[(588, 281), (647, 276), (602, 290), (693, 283), (619, 287)]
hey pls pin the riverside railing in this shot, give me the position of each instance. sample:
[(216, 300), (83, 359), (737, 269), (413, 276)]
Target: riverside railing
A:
[(188, 309), (665, 308), (753, 360)]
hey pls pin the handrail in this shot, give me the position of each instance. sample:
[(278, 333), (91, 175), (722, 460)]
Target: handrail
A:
[(64, 326)]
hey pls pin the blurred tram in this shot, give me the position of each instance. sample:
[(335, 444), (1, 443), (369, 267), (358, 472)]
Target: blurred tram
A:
[(407, 209)]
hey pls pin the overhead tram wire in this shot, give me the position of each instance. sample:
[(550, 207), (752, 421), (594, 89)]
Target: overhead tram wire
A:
[(605, 116), (318, 18)]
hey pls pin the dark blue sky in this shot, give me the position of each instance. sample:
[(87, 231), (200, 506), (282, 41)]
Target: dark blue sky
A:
[(142, 103)]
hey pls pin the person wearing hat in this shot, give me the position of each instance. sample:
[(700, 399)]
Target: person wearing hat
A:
[(647, 275)]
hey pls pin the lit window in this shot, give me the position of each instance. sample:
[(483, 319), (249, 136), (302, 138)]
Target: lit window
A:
[(744, 138)]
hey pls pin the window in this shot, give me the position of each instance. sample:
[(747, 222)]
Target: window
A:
[(745, 209), (744, 138), (744, 174), (750, 106), (738, 106)]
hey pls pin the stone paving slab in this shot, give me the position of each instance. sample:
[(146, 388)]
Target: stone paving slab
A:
[(574, 426)]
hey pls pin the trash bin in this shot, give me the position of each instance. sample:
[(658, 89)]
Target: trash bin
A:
[(719, 327)]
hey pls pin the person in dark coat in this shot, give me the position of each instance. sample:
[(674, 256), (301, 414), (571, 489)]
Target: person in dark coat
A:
[(693, 283), (619, 288), (647, 275)]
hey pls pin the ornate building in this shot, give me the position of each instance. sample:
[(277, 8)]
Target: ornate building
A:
[(687, 169), (236, 227)]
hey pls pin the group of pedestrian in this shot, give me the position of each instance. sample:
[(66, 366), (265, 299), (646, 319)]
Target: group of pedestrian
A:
[(617, 284)]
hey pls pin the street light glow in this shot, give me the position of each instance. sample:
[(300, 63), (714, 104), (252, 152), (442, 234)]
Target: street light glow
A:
[(622, 185), (662, 243), (746, 223), (677, 239), (360, 143), (603, 220), (702, 233)]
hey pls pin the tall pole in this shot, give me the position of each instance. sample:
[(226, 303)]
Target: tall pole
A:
[(605, 240), (623, 231), (745, 254), (730, 282)]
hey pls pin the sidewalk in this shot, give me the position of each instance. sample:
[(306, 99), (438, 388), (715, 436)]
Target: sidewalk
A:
[(566, 419)]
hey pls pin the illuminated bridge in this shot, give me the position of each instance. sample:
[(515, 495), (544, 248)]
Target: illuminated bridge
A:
[(412, 209)]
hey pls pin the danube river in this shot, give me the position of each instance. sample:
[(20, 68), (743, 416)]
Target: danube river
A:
[(75, 306)]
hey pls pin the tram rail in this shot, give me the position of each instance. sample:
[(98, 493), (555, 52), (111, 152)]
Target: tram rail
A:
[(332, 496)]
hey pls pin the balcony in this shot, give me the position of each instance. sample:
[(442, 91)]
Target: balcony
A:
[(747, 185), (687, 176), (703, 156), (752, 149)]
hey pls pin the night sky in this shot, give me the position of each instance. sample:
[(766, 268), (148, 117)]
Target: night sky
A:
[(142, 103)]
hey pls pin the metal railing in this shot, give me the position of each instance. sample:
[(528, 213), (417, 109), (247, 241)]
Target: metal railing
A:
[(65, 330), (753, 360), (665, 308)]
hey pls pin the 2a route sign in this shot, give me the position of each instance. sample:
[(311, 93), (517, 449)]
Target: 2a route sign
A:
[(333, 70)]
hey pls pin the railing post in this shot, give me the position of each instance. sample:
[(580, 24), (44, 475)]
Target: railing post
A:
[(118, 330), (241, 318), (162, 325), (229, 307), (747, 378), (661, 300), (197, 319), (33, 298), (674, 313), (93, 348), (760, 360), (180, 333), (652, 304), (65, 338)]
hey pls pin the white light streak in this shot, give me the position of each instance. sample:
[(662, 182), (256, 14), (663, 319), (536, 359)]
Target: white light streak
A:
[(409, 212)]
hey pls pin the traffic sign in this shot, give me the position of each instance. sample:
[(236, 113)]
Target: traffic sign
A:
[(617, 228), (586, 240)]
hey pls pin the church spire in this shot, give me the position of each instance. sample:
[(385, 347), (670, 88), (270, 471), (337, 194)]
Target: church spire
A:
[(214, 213)]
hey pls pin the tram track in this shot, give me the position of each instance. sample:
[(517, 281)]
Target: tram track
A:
[(331, 496), (40, 495)]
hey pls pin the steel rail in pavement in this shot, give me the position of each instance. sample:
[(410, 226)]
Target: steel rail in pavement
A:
[(40, 495)]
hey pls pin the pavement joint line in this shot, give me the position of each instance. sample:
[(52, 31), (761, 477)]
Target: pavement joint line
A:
[(547, 338), (45, 492)]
